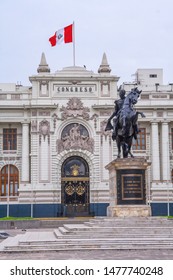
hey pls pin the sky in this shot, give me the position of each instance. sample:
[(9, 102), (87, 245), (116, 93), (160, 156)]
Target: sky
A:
[(133, 34)]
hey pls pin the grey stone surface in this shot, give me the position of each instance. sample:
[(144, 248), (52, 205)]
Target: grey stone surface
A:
[(92, 255), (100, 238)]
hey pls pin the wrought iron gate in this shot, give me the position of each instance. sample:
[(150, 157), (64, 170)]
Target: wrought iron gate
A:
[(75, 187)]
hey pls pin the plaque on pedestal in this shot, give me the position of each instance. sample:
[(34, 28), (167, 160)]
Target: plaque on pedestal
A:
[(128, 187), (131, 186)]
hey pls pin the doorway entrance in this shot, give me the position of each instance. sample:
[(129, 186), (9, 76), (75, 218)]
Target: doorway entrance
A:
[(75, 187)]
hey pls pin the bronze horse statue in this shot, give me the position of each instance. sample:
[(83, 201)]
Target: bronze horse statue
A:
[(125, 126)]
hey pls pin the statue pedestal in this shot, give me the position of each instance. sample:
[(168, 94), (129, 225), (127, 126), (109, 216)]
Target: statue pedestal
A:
[(127, 184), (129, 211)]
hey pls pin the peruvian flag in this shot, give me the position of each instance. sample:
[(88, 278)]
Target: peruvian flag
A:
[(64, 35)]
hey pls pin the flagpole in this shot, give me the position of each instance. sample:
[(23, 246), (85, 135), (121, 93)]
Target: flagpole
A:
[(73, 44)]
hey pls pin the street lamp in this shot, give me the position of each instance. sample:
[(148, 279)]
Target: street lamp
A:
[(8, 193), (167, 181)]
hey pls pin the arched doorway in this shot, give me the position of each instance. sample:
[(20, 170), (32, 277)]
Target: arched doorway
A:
[(9, 176), (75, 187)]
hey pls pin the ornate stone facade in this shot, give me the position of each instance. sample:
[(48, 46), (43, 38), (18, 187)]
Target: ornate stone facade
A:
[(63, 116)]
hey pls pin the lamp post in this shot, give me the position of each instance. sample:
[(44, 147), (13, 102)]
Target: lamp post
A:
[(8, 193), (32, 192), (167, 181), (32, 200), (149, 189)]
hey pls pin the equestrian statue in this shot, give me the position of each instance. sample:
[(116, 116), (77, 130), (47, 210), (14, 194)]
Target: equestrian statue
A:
[(124, 127)]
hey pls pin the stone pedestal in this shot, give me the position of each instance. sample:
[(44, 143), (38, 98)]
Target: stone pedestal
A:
[(128, 187), (129, 211)]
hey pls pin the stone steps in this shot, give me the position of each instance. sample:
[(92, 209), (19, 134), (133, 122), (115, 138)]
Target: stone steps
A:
[(98, 241), (88, 246), (59, 235), (66, 229), (97, 234), (133, 223)]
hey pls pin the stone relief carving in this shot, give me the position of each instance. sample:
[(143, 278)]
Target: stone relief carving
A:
[(44, 129), (55, 118), (74, 109), (34, 126), (95, 118), (75, 136), (34, 113), (102, 128), (44, 113), (106, 113)]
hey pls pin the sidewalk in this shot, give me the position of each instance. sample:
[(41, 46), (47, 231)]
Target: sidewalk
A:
[(92, 255)]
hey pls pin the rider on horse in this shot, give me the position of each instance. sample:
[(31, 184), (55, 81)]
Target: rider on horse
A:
[(118, 106), (125, 126), (115, 116)]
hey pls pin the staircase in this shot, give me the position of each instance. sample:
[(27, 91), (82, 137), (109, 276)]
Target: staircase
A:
[(97, 234)]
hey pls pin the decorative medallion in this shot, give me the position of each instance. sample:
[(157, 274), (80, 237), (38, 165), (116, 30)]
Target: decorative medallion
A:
[(80, 190), (69, 189)]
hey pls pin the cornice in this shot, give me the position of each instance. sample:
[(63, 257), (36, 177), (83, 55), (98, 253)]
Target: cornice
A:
[(79, 79), (23, 107), (98, 107)]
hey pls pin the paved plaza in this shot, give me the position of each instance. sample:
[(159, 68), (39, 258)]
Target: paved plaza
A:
[(92, 255), (147, 231)]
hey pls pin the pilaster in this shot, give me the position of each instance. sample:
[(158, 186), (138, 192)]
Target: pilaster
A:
[(25, 152), (165, 152), (155, 151)]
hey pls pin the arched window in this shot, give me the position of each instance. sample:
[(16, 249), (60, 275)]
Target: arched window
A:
[(75, 167), (9, 176)]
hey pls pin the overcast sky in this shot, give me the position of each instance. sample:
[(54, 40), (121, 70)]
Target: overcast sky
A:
[(133, 33)]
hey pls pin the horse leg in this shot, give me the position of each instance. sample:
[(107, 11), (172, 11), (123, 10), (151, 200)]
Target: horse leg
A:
[(141, 113), (124, 125), (131, 154), (118, 146), (135, 125), (129, 146), (119, 153), (115, 128), (125, 149)]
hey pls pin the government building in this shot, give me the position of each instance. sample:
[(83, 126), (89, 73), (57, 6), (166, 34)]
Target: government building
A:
[(54, 148)]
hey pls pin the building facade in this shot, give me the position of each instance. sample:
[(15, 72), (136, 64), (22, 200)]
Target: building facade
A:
[(54, 148)]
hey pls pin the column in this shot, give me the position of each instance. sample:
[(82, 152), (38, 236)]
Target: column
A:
[(155, 151), (25, 152), (165, 152)]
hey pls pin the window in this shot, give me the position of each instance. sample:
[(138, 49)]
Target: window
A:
[(140, 143), (153, 75), (75, 166), (10, 139), (13, 180)]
